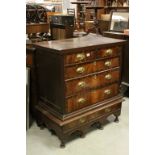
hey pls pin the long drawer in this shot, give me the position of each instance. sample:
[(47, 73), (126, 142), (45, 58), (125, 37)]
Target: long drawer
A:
[(84, 56), (92, 81), (84, 69), (87, 98), (92, 116)]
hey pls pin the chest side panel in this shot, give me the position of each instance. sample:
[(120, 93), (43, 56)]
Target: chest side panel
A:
[(50, 75)]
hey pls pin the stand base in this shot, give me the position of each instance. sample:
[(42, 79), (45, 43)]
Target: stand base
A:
[(77, 125)]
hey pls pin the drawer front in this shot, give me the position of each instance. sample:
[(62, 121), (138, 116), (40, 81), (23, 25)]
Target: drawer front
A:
[(80, 70), (85, 99), (79, 57), (90, 117), (82, 84), (85, 56), (108, 52)]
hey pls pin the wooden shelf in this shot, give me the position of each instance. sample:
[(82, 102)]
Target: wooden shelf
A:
[(37, 27), (81, 2), (94, 7), (112, 7)]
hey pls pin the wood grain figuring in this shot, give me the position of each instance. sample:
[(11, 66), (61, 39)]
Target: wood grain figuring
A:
[(91, 97), (92, 81), (90, 55), (73, 58), (104, 52), (92, 67)]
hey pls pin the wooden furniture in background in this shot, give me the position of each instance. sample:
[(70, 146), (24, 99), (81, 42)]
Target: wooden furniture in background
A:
[(89, 26), (103, 23), (113, 5), (62, 26), (108, 7), (78, 84), (38, 31), (50, 14), (90, 12), (33, 30), (80, 13), (35, 13), (96, 24), (61, 32), (71, 12), (37, 27)]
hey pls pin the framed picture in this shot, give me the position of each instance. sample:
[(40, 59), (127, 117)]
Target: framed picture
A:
[(119, 21)]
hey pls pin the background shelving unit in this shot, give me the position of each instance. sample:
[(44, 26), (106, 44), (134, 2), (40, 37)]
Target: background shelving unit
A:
[(115, 5)]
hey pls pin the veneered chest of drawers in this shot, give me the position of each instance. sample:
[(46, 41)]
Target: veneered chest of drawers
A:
[(78, 83)]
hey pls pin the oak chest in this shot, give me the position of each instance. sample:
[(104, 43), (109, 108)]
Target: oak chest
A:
[(78, 83)]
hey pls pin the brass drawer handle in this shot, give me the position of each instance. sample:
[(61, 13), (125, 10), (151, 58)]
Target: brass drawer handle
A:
[(82, 120), (107, 92), (108, 52), (81, 84), (81, 100), (80, 56), (107, 63), (108, 76), (107, 109), (80, 70)]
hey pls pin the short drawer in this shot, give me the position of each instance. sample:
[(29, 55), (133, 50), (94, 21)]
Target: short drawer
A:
[(79, 57), (92, 116), (87, 98), (108, 52), (93, 81), (80, 70)]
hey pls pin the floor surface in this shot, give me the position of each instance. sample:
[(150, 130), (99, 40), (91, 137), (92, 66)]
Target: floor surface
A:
[(112, 140)]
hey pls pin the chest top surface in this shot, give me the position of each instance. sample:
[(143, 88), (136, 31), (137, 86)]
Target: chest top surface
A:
[(91, 40)]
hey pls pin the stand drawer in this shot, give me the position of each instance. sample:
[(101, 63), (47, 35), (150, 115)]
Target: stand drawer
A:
[(90, 117)]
